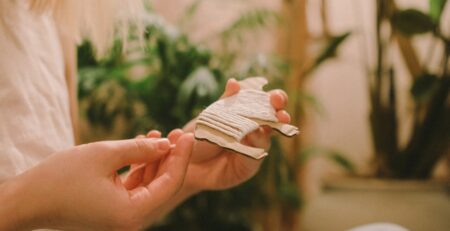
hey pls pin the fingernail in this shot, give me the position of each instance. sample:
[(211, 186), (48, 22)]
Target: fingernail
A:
[(163, 145)]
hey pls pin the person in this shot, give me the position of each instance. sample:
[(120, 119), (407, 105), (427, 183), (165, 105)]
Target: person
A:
[(46, 181)]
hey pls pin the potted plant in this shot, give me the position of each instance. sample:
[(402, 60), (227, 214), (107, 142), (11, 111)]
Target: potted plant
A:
[(397, 200), (429, 140)]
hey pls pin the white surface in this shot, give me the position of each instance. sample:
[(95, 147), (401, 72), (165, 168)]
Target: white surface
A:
[(379, 227)]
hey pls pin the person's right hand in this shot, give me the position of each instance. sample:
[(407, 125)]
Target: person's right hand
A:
[(78, 189)]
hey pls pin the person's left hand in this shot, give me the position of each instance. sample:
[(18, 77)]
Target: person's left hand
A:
[(212, 167)]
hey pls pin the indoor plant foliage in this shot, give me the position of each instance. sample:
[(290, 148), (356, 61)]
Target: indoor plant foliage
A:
[(430, 138)]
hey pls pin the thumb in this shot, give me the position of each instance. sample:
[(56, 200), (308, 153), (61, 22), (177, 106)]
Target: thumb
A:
[(232, 87), (117, 154)]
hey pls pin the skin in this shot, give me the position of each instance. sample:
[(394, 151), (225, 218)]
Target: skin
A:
[(212, 167), (78, 188)]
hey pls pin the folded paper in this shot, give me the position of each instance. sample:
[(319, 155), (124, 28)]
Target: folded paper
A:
[(227, 121)]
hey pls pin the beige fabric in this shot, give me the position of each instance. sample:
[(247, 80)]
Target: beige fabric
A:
[(34, 109), (233, 115), (97, 20), (227, 121)]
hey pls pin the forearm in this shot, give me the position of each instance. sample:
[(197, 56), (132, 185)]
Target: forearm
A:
[(16, 211)]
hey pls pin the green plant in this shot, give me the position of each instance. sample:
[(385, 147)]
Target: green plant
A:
[(177, 82), (430, 137)]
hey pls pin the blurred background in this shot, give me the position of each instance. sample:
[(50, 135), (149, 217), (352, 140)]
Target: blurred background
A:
[(368, 84)]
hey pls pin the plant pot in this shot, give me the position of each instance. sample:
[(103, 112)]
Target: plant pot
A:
[(347, 203)]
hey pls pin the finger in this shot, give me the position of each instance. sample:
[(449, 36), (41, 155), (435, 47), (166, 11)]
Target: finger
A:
[(154, 134), (147, 175), (283, 116), (141, 174), (150, 134), (283, 93), (162, 189), (165, 164), (278, 99), (174, 135), (267, 129), (150, 172), (135, 177), (116, 154), (258, 138), (231, 88)]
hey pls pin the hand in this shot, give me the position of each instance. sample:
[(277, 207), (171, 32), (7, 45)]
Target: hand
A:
[(212, 167), (78, 189)]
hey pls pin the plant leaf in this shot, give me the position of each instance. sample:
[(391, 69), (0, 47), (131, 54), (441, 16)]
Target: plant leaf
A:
[(200, 83), (249, 21), (189, 13), (411, 22), (306, 99), (335, 156), (424, 87), (307, 153), (436, 8), (341, 160), (329, 50)]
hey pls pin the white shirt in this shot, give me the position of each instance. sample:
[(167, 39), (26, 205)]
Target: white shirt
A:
[(34, 102)]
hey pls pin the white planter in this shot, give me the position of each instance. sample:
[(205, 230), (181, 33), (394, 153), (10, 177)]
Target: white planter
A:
[(346, 203)]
